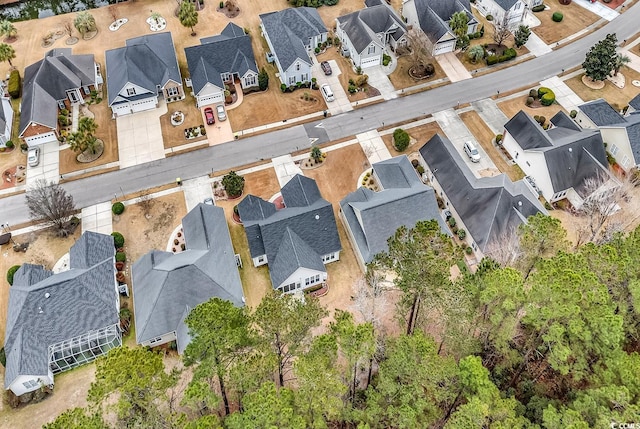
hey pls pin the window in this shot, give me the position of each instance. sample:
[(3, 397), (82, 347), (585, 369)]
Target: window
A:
[(86, 90), (517, 6), (30, 383), (260, 259), (250, 80), (173, 91), (226, 77), (625, 161), (305, 77), (61, 104), (155, 340), (614, 149), (292, 80), (372, 49), (131, 91), (297, 66)]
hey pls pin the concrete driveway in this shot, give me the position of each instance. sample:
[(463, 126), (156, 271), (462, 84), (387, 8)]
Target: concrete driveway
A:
[(379, 80), (452, 66), (220, 132), (49, 166), (140, 136), (458, 133), (341, 103)]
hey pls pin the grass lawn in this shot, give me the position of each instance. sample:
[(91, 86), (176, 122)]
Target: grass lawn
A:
[(421, 135), (400, 77), (174, 135), (617, 97), (513, 105), (484, 135), (575, 19)]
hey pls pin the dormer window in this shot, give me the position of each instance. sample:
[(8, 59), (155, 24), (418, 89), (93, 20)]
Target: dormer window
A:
[(297, 66), (131, 91)]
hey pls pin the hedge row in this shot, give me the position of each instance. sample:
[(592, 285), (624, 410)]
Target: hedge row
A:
[(508, 54)]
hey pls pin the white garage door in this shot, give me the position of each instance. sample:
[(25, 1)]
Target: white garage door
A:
[(41, 139), (121, 109), (146, 104), (369, 62), (210, 99), (443, 48)]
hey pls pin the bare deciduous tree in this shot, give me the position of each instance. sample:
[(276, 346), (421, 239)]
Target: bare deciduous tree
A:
[(146, 203), (505, 250), (113, 11), (501, 31), (368, 297), (50, 203), (420, 46), (68, 28)]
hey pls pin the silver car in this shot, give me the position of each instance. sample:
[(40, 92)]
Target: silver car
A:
[(472, 151), (222, 115), (33, 156)]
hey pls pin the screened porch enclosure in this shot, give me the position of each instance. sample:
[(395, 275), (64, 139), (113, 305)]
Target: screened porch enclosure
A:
[(84, 348)]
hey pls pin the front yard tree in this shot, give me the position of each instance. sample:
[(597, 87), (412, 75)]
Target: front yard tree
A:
[(84, 23), (501, 30), (8, 30), (459, 23), (84, 139), (188, 15), (316, 154), (475, 53), (284, 326), (233, 183), (50, 203), (619, 61), (600, 59), (522, 35), (7, 53), (421, 47), (219, 330)]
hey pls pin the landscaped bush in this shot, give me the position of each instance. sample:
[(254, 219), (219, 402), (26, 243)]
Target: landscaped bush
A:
[(451, 221), (386, 59), (121, 257), (400, 139), (533, 93), (10, 272), (491, 60), (510, 53), (543, 90), (557, 16), (548, 99), (462, 234), (118, 239), (14, 84), (117, 208), (9, 144), (573, 114), (233, 183), (498, 138), (529, 101), (538, 8), (489, 17), (24, 146), (420, 170), (468, 250), (415, 163), (263, 79)]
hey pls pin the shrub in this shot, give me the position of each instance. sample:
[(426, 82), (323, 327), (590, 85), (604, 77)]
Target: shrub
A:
[(221, 5), (14, 84), (359, 70), (263, 79), (420, 170), (415, 163), (489, 17), (491, 60), (386, 59), (118, 239), (10, 272), (529, 101), (451, 221), (24, 146), (362, 80), (482, 30), (352, 89), (557, 16), (548, 99), (3, 357), (9, 144), (233, 183), (538, 8), (400, 139), (468, 250), (498, 138), (533, 93), (543, 90), (121, 256), (283, 87), (510, 53), (462, 234), (541, 120), (117, 208), (573, 114), (317, 50)]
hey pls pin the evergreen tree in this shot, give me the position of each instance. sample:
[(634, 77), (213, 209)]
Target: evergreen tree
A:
[(600, 59)]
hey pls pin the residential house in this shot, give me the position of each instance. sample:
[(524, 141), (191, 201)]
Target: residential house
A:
[(634, 104), (292, 34), (142, 72), (371, 218), (488, 208), (621, 133), (297, 240), (220, 60), (55, 82), (516, 10), (56, 322), (366, 33), (433, 16), (6, 117), (167, 286), (561, 160)]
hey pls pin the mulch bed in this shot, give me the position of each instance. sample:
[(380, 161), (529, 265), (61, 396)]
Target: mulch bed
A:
[(229, 13)]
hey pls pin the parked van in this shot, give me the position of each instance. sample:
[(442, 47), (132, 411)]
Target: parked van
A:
[(472, 151), (327, 93)]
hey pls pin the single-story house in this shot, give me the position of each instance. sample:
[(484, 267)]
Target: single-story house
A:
[(561, 159), (141, 72), (516, 9), (56, 322), (6, 117), (218, 61), (297, 240), (488, 208), (622, 133), (366, 33), (432, 17), (371, 218), (55, 82), (167, 286), (292, 34)]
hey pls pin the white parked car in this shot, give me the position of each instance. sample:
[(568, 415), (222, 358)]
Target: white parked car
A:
[(222, 115), (33, 156), (472, 151), (327, 93)]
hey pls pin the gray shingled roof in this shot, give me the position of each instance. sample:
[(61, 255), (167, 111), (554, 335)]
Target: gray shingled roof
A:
[(292, 254), (527, 132), (48, 80), (289, 29), (228, 52), (79, 300), (164, 284), (146, 61), (306, 214), (433, 15), (363, 25), (506, 4), (3, 118), (373, 217), (635, 102), (488, 206), (601, 113)]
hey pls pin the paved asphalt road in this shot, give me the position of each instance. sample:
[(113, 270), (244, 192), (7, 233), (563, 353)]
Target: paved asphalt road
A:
[(103, 187)]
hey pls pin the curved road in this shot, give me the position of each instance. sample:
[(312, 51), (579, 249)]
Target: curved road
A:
[(103, 187)]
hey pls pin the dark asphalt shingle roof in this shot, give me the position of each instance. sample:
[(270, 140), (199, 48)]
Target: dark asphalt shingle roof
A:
[(363, 25), (228, 52), (489, 206), (527, 132), (289, 30), (306, 214), (601, 113), (292, 254), (147, 61), (48, 80), (79, 300), (164, 284), (635, 102), (506, 4), (374, 217), (434, 15)]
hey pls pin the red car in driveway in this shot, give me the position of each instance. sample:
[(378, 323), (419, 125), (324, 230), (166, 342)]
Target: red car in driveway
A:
[(208, 114)]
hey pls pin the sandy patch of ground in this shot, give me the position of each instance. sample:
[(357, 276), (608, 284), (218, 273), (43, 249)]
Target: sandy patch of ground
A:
[(174, 135)]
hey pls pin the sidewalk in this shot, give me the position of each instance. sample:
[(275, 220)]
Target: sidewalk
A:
[(97, 218), (491, 114), (536, 46), (373, 146), (452, 67), (599, 9), (564, 95)]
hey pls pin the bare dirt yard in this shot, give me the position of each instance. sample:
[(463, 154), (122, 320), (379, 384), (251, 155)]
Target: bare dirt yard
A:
[(575, 19), (513, 105), (617, 97), (10, 160)]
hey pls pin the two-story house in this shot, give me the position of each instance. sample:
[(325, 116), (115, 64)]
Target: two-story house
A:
[(142, 72), (6, 116), (516, 10), (292, 35)]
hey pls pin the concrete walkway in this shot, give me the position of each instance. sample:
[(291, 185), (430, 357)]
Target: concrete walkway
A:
[(536, 45), (140, 137), (379, 80), (341, 103), (97, 218), (491, 114), (49, 166), (452, 67), (564, 95), (285, 169), (196, 191), (373, 146), (599, 9)]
